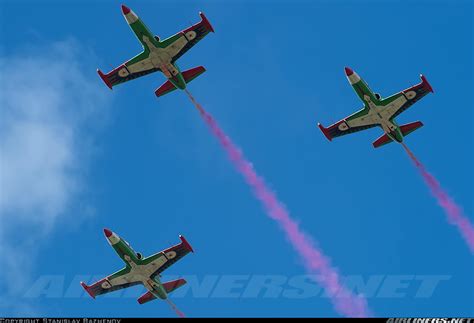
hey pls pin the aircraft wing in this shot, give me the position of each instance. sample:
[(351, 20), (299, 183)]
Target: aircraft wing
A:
[(401, 101), (119, 280), (192, 36), (159, 262), (355, 122), (136, 67)]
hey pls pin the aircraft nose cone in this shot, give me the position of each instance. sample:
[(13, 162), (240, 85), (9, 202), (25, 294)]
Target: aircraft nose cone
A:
[(107, 232), (349, 71), (125, 9)]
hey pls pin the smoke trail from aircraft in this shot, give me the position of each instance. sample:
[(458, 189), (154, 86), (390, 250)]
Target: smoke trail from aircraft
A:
[(315, 262), (453, 211), (174, 308)]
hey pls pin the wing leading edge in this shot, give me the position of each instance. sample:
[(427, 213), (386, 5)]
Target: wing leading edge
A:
[(351, 124), (412, 95), (120, 280), (162, 260), (193, 35)]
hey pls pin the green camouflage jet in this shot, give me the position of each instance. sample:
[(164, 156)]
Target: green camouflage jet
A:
[(139, 270), (379, 111), (159, 55)]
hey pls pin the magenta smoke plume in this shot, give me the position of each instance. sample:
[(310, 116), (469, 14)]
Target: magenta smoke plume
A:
[(453, 211), (315, 262), (174, 308)]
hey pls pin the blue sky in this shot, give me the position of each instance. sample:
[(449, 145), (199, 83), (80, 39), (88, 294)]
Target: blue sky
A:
[(149, 169)]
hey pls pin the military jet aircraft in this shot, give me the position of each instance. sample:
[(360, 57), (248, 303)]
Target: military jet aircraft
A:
[(159, 55), (139, 270), (379, 111)]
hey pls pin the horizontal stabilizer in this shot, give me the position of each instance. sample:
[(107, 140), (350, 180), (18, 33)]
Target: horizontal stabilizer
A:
[(188, 76), (406, 129), (410, 127), (173, 285), (146, 298), (382, 140), (165, 88), (192, 73), (168, 286)]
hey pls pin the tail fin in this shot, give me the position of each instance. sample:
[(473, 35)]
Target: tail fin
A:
[(410, 127), (173, 285), (188, 76)]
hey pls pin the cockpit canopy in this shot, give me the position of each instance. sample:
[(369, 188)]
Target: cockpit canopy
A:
[(138, 254)]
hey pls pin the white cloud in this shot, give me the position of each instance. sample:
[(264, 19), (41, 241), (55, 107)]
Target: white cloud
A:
[(49, 110)]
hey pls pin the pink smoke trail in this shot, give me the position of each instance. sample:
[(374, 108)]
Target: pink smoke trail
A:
[(453, 211), (174, 308), (343, 300)]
